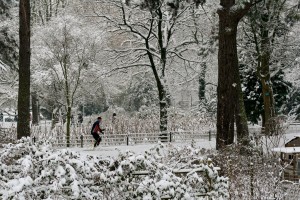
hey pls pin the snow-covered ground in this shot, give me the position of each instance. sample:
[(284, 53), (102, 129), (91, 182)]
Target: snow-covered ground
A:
[(113, 151)]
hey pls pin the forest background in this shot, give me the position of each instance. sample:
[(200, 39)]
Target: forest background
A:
[(137, 58)]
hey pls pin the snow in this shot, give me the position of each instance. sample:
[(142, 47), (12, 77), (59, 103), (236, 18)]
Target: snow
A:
[(76, 173), (18, 184), (2, 66), (287, 149), (113, 151)]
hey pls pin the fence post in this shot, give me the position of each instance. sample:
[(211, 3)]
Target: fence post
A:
[(209, 135), (81, 141), (251, 180), (127, 139), (170, 136)]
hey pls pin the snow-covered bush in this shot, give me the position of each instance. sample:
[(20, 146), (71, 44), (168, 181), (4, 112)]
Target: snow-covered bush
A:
[(160, 179), (37, 171), (254, 174)]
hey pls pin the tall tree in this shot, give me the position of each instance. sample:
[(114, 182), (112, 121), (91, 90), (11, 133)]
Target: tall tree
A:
[(65, 53), (230, 102), (23, 127), (270, 23), (146, 35)]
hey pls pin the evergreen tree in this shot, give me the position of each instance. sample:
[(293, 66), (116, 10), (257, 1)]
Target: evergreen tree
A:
[(266, 31), (252, 90), (252, 94), (293, 104)]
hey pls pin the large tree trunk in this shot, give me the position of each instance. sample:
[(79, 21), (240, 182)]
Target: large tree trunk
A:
[(23, 127), (230, 106), (227, 90)]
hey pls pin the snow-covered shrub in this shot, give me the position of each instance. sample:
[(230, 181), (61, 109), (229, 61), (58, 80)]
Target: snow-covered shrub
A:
[(37, 171), (254, 174), (42, 172), (159, 178)]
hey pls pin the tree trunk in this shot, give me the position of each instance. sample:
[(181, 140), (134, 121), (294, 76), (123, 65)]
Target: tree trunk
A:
[(163, 106), (68, 125), (230, 106), (227, 90), (240, 115), (202, 84), (35, 108), (68, 100), (267, 16), (264, 75), (65, 68), (23, 126), (163, 100)]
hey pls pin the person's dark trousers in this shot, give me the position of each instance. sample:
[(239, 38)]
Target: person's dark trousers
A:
[(97, 138)]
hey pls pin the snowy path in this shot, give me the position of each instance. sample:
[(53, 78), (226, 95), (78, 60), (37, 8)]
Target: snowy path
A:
[(112, 151)]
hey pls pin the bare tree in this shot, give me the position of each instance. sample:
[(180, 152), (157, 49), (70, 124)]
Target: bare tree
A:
[(70, 52), (144, 37), (43, 10)]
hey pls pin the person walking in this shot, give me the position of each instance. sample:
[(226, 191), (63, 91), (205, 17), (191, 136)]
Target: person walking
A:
[(96, 130)]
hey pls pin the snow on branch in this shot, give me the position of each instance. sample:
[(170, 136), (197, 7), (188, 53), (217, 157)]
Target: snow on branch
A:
[(37, 171), (2, 66)]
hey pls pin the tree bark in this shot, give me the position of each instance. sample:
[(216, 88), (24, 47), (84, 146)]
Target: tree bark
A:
[(202, 84), (67, 94), (265, 23), (162, 95), (264, 72), (230, 106), (227, 93), (241, 116), (23, 126), (35, 108), (68, 125)]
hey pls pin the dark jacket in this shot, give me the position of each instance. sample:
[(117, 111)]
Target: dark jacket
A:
[(96, 127)]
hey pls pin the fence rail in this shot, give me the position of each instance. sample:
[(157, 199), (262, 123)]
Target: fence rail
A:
[(130, 138), (80, 136)]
